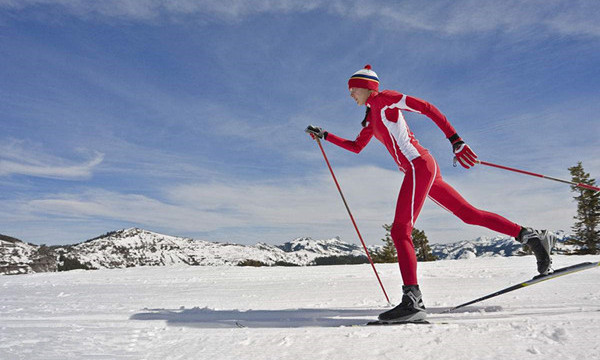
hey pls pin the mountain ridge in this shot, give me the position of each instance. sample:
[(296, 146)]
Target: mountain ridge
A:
[(139, 247)]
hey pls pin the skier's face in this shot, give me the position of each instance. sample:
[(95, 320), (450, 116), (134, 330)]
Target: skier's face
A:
[(360, 95)]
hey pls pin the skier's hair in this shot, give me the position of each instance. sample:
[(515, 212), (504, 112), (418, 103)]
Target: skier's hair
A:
[(364, 123)]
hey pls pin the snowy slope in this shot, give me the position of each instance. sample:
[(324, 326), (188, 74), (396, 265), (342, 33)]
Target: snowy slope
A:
[(297, 313)]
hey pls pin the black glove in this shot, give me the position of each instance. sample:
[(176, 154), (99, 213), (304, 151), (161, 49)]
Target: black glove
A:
[(316, 131)]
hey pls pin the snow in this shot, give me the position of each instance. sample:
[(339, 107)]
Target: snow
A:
[(183, 312)]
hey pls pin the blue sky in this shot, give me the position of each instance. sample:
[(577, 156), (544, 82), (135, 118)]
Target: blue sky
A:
[(187, 117)]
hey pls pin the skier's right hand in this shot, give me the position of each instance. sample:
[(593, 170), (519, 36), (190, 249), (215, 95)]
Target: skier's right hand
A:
[(316, 131), (462, 152), (464, 155)]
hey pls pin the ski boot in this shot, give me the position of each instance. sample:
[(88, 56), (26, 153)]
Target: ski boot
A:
[(541, 243), (411, 309)]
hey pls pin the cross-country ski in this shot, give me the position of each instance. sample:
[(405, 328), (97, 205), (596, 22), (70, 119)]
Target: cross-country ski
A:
[(535, 280)]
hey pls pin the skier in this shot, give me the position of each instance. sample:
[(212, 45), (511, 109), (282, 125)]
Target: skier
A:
[(422, 178)]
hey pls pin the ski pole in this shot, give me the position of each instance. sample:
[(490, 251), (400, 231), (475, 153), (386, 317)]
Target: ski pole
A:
[(581, 185), (352, 218)]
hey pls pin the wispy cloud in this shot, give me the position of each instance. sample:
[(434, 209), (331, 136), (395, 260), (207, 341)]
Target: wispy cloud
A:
[(196, 125), (457, 17), (144, 10), (200, 207), (15, 159), (282, 209), (310, 207)]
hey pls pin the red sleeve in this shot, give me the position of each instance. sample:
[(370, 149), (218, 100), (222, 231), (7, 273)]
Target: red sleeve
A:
[(357, 145), (417, 105)]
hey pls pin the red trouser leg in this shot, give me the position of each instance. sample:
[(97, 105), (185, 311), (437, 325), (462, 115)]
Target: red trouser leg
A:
[(416, 185), (448, 198)]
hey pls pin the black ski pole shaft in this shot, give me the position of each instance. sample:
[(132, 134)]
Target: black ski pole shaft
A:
[(352, 218), (503, 291)]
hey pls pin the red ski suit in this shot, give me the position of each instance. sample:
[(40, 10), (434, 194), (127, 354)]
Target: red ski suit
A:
[(422, 176)]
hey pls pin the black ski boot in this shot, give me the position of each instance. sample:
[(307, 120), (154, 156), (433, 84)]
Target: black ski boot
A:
[(541, 243), (411, 309)]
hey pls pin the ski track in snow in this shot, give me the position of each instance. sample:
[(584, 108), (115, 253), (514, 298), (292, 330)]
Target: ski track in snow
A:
[(298, 313)]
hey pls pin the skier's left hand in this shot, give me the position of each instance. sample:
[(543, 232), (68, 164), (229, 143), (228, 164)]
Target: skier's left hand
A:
[(316, 131), (463, 154)]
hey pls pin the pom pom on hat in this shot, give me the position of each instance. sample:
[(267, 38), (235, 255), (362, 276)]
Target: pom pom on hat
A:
[(364, 78)]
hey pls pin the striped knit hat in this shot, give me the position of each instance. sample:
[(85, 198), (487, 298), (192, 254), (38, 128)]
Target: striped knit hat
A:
[(364, 78)]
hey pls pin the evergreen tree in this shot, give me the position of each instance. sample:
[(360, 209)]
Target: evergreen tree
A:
[(422, 247), (587, 235), (388, 254)]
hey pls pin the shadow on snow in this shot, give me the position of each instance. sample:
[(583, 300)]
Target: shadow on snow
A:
[(292, 318)]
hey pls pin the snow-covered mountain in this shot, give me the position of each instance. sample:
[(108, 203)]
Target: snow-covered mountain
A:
[(18, 257), (495, 246), (482, 246), (137, 247), (306, 249)]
